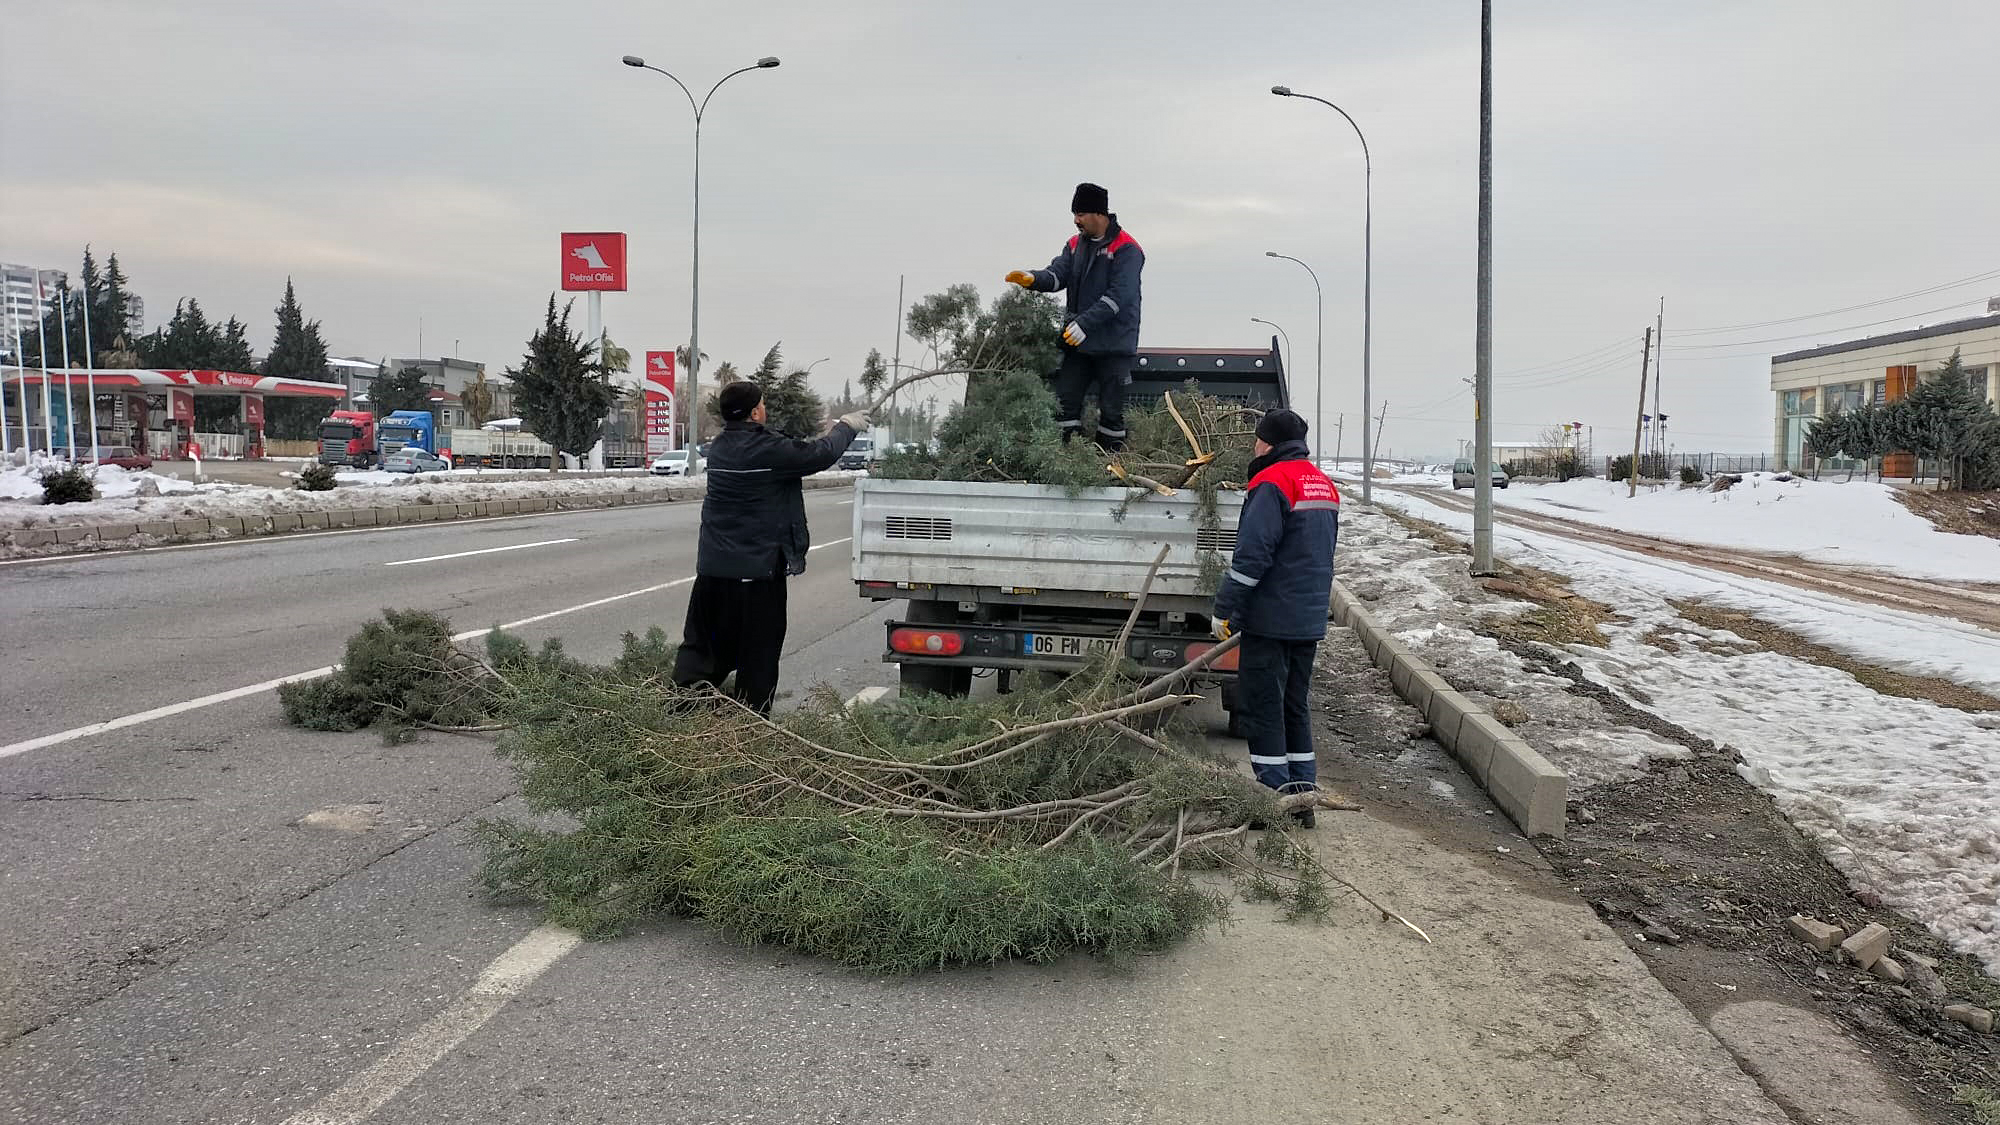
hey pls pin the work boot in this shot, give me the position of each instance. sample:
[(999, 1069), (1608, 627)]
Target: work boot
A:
[(1305, 818)]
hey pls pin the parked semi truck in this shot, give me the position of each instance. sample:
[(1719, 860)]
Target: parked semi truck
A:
[(1022, 577), (359, 439)]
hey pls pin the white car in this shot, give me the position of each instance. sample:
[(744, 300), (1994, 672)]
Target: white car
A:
[(673, 464)]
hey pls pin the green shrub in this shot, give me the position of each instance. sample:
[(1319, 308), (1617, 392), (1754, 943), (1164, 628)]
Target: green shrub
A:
[(70, 484), (316, 478), (1690, 475)]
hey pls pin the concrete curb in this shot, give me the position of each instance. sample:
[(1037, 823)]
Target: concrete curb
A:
[(48, 542), (1526, 786)]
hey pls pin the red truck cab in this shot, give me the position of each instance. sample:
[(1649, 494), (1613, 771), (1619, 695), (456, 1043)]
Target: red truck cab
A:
[(347, 437)]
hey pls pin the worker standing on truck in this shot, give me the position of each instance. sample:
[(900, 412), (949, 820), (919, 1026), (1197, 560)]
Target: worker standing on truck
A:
[(1100, 269), (753, 538), (1276, 595)]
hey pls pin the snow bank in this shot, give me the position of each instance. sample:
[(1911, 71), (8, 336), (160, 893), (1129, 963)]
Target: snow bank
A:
[(19, 483), (1902, 795), (1853, 523)]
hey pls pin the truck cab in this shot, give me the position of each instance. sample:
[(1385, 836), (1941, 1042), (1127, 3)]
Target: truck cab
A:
[(415, 428), (347, 437)]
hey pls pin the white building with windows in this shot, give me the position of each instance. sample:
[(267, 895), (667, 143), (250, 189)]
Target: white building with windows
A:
[(1879, 369), (17, 296)]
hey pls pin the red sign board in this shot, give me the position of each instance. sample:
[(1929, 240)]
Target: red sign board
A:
[(593, 261), (659, 402), (253, 410), (180, 406)]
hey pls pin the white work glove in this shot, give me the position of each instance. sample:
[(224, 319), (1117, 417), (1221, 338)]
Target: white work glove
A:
[(857, 420), (1221, 629), (1073, 336)]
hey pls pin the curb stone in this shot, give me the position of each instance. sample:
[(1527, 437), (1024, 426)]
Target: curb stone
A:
[(1527, 786), (86, 538)]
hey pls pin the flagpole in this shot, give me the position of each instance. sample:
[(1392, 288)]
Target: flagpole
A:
[(90, 371), (21, 387), (69, 404), (42, 341), (6, 435)]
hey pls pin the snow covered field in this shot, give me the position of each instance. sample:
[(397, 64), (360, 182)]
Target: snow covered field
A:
[(1853, 523), (1902, 795), (24, 484)]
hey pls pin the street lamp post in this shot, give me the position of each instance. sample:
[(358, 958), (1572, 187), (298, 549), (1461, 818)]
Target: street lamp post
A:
[(1367, 285), (693, 394), (1282, 333), (1319, 351)]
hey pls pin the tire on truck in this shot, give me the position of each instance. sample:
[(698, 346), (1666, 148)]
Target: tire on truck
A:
[(955, 683)]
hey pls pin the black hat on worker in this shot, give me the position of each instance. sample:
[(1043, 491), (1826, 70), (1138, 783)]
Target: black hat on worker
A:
[(738, 399), (1281, 426), (1090, 200)]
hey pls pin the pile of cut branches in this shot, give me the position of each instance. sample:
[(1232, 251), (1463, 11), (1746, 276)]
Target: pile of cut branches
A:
[(1076, 816)]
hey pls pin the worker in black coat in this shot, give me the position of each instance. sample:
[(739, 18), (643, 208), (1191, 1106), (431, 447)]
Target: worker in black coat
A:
[(753, 537)]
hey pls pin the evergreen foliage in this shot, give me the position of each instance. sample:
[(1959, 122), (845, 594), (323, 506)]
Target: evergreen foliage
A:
[(561, 389), (68, 484), (408, 389), (316, 477)]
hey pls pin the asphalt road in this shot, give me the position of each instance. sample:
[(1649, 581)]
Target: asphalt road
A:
[(207, 916)]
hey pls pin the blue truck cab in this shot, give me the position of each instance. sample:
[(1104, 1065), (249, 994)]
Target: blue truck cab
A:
[(407, 428)]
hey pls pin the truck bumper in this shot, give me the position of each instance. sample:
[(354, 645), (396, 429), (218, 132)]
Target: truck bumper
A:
[(980, 645)]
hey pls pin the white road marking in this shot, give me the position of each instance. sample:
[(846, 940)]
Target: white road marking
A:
[(170, 709), (505, 978), (486, 551)]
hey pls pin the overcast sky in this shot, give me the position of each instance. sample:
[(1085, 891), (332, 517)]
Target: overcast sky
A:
[(1747, 161)]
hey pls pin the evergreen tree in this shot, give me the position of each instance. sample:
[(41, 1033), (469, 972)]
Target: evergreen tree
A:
[(795, 410), (407, 389), (766, 376), (561, 388), (726, 374), (874, 375), (297, 352), (186, 342), (111, 311), (1945, 418), (232, 351)]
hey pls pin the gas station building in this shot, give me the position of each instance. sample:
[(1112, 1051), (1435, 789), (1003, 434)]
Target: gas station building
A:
[(151, 411)]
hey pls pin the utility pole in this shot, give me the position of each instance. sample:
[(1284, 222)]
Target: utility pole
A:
[(1639, 423), (1482, 492), (1339, 436), (895, 363), (1368, 465), (1659, 363)]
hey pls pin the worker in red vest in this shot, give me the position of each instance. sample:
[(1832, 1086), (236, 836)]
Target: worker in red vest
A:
[(1276, 594)]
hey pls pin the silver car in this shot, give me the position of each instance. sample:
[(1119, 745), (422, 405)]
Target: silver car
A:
[(409, 460), (1462, 475)]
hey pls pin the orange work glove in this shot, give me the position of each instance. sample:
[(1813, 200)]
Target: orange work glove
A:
[(1022, 278)]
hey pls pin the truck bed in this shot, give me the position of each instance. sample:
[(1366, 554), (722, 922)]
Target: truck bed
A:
[(1035, 542)]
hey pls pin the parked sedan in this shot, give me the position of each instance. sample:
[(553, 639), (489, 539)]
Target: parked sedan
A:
[(1463, 477), (123, 456), (407, 460), (674, 464)]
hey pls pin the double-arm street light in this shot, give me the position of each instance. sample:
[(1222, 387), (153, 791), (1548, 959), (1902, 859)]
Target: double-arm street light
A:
[(692, 394), (1319, 352), (1367, 285), (1286, 336)]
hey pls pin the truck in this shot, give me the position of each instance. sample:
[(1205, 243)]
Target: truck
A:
[(416, 428), (1012, 578), (347, 437)]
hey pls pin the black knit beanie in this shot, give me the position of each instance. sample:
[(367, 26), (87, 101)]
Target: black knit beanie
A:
[(1281, 426), (1090, 200), (738, 399)]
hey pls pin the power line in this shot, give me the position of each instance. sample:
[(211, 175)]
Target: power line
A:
[(1836, 312), (1822, 331)]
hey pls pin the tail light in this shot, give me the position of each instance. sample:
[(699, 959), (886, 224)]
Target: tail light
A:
[(1225, 663), (927, 642)]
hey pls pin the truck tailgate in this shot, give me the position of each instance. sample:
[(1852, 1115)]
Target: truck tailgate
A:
[(960, 533)]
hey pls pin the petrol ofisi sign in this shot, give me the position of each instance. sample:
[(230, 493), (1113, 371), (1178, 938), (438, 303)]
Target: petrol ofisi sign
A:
[(593, 261)]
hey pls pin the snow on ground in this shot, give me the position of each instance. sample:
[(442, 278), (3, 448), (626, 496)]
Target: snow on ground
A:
[(25, 483), (1902, 795), (184, 500), (377, 477), (1853, 523)]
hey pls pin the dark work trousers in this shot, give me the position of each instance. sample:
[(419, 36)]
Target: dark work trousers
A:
[(1106, 374), (1273, 683), (734, 625)]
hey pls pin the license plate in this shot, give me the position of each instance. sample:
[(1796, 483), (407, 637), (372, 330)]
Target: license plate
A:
[(1059, 644)]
